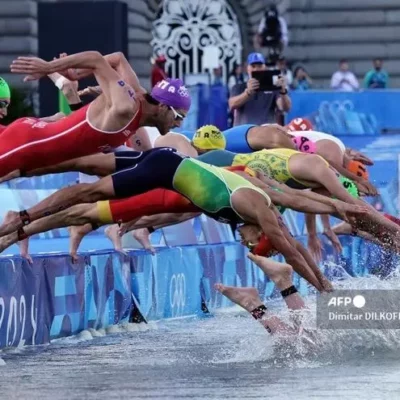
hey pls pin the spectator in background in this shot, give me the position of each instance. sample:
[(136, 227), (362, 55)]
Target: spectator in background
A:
[(343, 79), (272, 31), (236, 76), (301, 80), (285, 70), (376, 78), (252, 106), (216, 77), (158, 71)]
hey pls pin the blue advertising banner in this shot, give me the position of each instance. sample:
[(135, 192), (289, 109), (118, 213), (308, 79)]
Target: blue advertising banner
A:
[(369, 112), (54, 298), (22, 295)]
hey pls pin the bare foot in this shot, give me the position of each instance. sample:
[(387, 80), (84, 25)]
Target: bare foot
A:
[(143, 237), (112, 232), (122, 229), (343, 228), (24, 250), (76, 234), (12, 222), (279, 273), (247, 298)]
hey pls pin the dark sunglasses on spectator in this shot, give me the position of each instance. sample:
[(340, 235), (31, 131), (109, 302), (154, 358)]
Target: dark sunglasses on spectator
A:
[(4, 104)]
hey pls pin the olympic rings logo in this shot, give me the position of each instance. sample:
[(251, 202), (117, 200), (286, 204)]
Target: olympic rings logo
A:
[(177, 293)]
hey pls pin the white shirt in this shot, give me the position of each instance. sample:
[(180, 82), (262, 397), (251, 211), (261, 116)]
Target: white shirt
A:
[(350, 86)]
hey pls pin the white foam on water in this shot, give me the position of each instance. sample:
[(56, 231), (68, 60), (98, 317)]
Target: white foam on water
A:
[(90, 334), (311, 348)]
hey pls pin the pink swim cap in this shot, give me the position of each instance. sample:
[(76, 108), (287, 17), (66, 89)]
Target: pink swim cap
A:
[(305, 145)]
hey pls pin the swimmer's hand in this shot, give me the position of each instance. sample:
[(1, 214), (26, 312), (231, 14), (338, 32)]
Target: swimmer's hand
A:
[(334, 240), (315, 247), (91, 91), (366, 187), (344, 209), (357, 156), (34, 67)]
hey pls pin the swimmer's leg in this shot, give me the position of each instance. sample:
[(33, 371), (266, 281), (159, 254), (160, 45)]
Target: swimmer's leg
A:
[(248, 298), (96, 164), (142, 178), (281, 275), (77, 215), (62, 199), (12, 175)]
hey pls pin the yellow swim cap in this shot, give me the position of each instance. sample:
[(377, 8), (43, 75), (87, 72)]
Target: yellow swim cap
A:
[(209, 137)]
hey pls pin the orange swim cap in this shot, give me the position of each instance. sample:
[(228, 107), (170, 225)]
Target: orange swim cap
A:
[(300, 124), (358, 168)]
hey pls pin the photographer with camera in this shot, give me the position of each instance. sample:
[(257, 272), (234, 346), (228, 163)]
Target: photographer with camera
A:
[(265, 93)]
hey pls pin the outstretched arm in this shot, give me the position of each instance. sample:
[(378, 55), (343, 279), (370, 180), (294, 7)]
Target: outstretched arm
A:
[(330, 234), (255, 210), (314, 243), (315, 197), (302, 200), (118, 62), (116, 91)]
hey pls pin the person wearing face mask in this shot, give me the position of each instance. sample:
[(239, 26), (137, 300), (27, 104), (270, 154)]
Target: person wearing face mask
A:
[(376, 78), (252, 106)]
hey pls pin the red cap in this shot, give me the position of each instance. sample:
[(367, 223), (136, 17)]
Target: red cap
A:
[(160, 59), (392, 218), (264, 248), (300, 124)]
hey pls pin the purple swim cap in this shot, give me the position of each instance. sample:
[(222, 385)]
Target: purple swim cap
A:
[(172, 92), (305, 145)]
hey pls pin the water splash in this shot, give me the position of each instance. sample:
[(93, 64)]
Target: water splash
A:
[(316, 347)]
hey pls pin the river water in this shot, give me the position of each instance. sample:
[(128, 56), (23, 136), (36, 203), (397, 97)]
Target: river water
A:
[(227, 356)]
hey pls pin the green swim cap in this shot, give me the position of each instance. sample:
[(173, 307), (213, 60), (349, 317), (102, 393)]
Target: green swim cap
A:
[(350, 186), (4, 89)]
